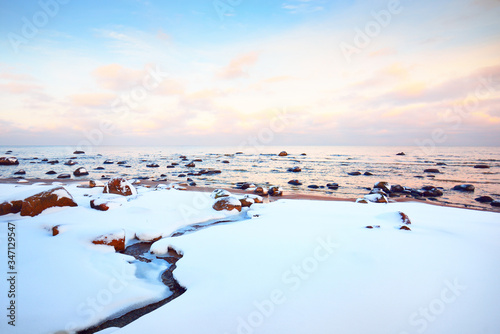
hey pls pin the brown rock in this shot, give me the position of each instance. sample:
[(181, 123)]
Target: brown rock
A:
[(119, 186), (246, 202), (57, 197), (275, 191), (99, 207), (261, 191), (80, 172), (431, 170), (115, 240), (404, 227), (55, 230), (10, 207), (482, 166), (404, 218), (191, 164), (385, 186), (8, 161), (227, 203), (283, 154)]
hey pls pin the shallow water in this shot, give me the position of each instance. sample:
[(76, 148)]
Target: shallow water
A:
[(262, 166)]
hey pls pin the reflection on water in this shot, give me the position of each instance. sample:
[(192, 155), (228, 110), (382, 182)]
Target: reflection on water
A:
[(262, 165)]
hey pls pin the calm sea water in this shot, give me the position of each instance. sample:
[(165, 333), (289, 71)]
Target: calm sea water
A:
[(262, 166)]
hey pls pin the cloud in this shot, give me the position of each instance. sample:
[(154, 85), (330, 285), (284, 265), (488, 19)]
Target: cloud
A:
[(238, 67), (302, 6), (92, 99), (117, 77)]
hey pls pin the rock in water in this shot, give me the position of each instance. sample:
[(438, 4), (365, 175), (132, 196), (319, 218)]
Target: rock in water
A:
[(354, 173), (119, 186), (64, 176), (275, 191), (431, 170), (295, 182), (464, 187), (117, 240), (401, 153), (8, 161), (482, 166), (20, 172), (283, 154), (484, 199), (80, 172)]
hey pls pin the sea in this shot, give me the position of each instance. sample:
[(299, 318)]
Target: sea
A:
[(262, 165)]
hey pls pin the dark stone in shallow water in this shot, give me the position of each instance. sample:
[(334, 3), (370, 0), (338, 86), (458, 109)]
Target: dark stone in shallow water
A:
[(367, 174), (295, 182), (495, 203), (313, 186), (401, 153), (63, 176), (484, 199), (482, 166), (431, 170), (50, 172), (99, 168), (464, 187), (440, 164), (354, 173)]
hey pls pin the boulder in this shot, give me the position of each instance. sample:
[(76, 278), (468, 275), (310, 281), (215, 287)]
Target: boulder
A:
[(246, 202), (484, 199), (225, 161), (80, 172), (57, 197), (261, 191), (53, 162), (218, 193), (332, 186), (295, 169), (10, 207), (295, 182), (354, 173), (117, 240), (119, 186), (495, 203), (362, 201), (313, 186), (431, 170), (50, 172), (246, 185), (79, 152), (121, 162), (228, 203), (367, 174), (401, 153), (70, 163), (430, 191), (464, 187), (63, 176), (482, 166), (385, 186), (8, 161), (405, 228), (20, 172), (95, 183), (396, 188), (153, 165), (440, 164), (100, 206), (275, 191), (191, 164), (108, 162), (376, 198), (283, 154)]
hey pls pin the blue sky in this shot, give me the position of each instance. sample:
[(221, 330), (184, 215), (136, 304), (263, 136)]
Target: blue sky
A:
[(419, 67)]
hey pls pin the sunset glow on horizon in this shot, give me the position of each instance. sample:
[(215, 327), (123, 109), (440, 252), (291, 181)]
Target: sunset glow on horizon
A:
[(140, 72)]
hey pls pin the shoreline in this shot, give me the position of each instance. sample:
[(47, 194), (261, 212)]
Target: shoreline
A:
[(296, 195)]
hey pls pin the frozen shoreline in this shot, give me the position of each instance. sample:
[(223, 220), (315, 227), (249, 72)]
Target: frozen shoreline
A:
[(295, 266)]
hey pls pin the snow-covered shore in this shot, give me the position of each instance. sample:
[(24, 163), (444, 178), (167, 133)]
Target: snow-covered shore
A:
[(290, 266)]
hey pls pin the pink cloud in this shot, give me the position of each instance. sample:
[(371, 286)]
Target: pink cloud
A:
[(238, 67)]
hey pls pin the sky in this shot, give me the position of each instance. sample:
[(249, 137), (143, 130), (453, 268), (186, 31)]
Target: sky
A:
[(230, 72)]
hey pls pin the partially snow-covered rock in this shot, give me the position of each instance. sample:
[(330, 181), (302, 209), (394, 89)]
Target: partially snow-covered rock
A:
[(119, 186), (8, 161), (227, 203), (217, 193)]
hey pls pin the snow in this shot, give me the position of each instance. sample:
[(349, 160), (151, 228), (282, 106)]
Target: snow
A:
[(296, 266)]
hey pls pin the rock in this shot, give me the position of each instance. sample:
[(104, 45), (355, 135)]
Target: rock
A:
[(191, 164), (354, 173), (53, 162), (482, 166), (218, 193), (79, 152), (376, 198), (57, 197), (117, 240), (10, 207), (401, 153), (197, 160), (484, 199), (283, 154), (239, 153), (245, 185), (50, 172), (70, 163), (405, 228), (368, 226), (404, 218), (295, 169), (431, 170), (119, 186), (396, 188), (20, 172), (8, 161), (367, 174), (94, 183), (464, 187), (261, 191), (64, 176), (246, 202), (108, 162), (121, 162), (80, 172), (170, 166), (430, 191), (55, 230), (362, 201), (192, 184), (440, 164), (332, 186), (385, 186), (312, 186), (100, 206), (303, 154), (295, 182), (181, 175), (153, 165), (275, 191), (225, 161), (254, 198), (495, 203), (227, 203), (99, 168), (182, 157)]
